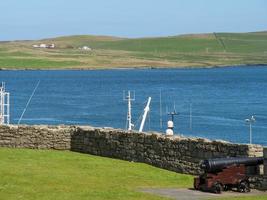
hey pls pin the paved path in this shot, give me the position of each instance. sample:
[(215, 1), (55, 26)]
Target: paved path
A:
[(190, 194)]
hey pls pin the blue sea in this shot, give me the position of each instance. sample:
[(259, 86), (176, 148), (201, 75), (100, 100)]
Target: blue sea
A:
[(221, 99)]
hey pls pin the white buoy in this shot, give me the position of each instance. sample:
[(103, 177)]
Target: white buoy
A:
[(169, 131), (170, 124)]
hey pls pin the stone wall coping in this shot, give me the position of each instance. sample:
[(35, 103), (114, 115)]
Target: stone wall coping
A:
[(157, 135)]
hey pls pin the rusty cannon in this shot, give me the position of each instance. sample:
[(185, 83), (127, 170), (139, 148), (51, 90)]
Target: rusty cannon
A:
[(223, 174)]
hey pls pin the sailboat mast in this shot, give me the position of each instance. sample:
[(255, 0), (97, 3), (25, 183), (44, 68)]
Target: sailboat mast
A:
[(146, 110)]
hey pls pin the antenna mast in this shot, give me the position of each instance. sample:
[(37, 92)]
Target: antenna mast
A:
[(173, 113), (170, 123), (129, 113), (4, 105)]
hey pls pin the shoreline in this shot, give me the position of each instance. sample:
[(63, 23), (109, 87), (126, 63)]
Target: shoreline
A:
[(134, 68)]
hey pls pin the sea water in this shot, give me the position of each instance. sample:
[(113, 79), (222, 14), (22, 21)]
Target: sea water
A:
[(220, 98)]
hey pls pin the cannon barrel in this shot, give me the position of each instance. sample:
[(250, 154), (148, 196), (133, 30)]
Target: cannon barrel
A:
[(213, 165)]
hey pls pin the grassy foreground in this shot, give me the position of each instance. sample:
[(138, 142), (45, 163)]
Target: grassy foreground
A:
[(215, 49), (48, 175), (43, 175)]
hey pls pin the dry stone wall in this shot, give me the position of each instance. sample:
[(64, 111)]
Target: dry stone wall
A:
[(36, 137), (176, 153)]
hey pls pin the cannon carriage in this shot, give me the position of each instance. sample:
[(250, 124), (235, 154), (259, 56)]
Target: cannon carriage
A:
[(227, 173)]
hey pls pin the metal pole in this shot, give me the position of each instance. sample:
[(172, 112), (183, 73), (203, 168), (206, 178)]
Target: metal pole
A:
[(22, 114), (250, 132), (190, 126), (128, 98), (2, 105), (250, 121), (160, 110), (129, 112), (8, 109)]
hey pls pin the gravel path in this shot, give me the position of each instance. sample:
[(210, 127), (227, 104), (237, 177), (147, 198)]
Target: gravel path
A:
[(190, 194)]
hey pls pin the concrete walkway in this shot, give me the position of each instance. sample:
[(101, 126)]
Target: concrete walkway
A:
[(191, 194)]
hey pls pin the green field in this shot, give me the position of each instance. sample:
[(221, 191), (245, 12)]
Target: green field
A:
[(63, 175), (199, 50)]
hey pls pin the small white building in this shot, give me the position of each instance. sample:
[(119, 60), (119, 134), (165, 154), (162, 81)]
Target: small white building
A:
[(42, 46), (48, 46), (86, 48)]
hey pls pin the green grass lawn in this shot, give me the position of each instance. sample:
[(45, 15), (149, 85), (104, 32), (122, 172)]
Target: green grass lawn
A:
[(218, 49), (63, 175), (43, 175)]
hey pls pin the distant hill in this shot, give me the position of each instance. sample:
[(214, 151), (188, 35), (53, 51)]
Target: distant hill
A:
[(192, 50)]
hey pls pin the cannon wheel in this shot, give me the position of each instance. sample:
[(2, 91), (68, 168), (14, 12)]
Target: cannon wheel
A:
[(243, 186), (227, 187), (217, 188)]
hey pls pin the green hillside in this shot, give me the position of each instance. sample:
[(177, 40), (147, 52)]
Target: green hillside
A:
[(217, 49)]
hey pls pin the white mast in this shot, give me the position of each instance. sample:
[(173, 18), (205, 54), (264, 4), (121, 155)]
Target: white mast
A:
[(4, 105), (129, 113), (146, 110)]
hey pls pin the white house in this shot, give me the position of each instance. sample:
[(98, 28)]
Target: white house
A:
[(49, 46), (86, 48), (42, 46)]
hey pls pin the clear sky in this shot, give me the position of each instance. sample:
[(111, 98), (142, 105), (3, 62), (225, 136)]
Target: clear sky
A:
[(34, 19)]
